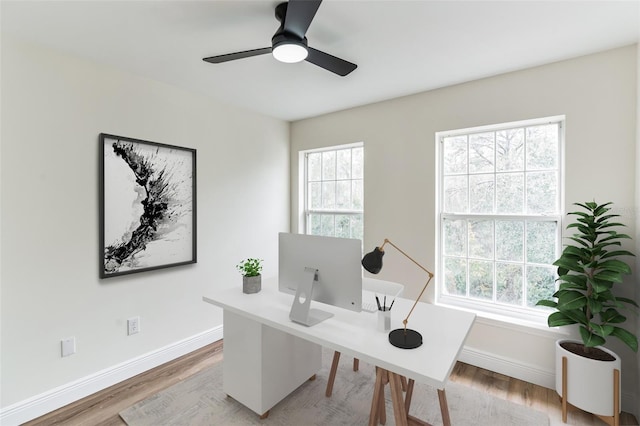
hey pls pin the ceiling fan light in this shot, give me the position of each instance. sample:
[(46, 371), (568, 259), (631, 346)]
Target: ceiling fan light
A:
[(290, 52)]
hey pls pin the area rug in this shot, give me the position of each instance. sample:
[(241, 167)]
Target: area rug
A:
[(200, 400)]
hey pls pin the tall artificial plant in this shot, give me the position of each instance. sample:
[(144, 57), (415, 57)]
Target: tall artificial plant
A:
[(587, 271)]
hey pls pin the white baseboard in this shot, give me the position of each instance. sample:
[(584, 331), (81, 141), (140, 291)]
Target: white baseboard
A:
[(53, 399), (529, 373)]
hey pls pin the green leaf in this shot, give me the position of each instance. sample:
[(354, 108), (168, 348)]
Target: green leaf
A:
[(559, 319), (615, 265), (628, 338), (567, 262), (612, 316), (571, 300), (602, 330), (577, 315), (611, 276), (629, 301), (590, 339), (549, 303), (601, 286), (579, 280), (594, 305), (579, 241), (617, 253)]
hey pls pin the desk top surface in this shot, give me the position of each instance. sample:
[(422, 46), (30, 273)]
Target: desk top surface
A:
[(444, 330)]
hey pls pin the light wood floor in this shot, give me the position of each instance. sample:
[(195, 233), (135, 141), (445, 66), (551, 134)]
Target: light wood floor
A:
[(102, 408)]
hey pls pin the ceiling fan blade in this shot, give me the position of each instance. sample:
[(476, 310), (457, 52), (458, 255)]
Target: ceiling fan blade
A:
[(237, 55), (330, 62), (300, 13)]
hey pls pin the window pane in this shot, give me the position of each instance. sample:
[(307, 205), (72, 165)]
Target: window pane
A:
[(455, 276), (455, 154), (315, 224), (542, 147), (343, 226), (541, 242), (541, 192), (481, 190), (481, 279), (357, 226), (455, 237), (357, 160), (540, 284), (455, 194), (314, 163), (344, 164), (509, 240), (481, 239), (315, 195), (328, 225), (481, 156), (328, 165), (509, 283), (328, 195), (510, 150), (499, 215), (343, 194), (357, 194), (510, 193), (334, 185)]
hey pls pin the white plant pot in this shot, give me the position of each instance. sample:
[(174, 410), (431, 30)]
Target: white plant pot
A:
[(589, 382)]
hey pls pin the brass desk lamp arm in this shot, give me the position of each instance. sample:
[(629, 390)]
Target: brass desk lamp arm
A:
[(420, 266)]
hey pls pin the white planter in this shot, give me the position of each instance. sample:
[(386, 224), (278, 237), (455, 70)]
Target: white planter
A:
[(590, 383)]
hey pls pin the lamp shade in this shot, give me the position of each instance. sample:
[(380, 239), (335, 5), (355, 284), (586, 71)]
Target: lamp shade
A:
[(372, 261)]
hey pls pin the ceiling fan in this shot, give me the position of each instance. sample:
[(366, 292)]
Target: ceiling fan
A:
[(289, 43)]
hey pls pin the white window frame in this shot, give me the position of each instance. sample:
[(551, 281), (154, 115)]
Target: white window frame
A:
[(305, 210), (493, 309)]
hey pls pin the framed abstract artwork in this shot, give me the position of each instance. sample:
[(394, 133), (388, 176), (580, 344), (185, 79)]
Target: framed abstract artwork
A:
[(147, 205)]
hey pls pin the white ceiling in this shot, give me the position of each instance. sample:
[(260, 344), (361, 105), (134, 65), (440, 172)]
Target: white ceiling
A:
[(401, 47)]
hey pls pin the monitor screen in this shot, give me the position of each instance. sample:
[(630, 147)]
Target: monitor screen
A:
[(339, 278)]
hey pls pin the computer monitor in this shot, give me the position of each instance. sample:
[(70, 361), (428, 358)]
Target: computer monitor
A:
[(331, 266)]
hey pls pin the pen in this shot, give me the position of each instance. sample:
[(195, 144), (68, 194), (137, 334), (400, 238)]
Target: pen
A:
[(384, 306), (378, 302), (392, 302)]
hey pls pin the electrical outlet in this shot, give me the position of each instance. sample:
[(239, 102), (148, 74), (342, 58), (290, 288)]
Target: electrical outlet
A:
[(68, 346), (133, 326)]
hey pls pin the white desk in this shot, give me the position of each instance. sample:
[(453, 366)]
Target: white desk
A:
[(267, 356)]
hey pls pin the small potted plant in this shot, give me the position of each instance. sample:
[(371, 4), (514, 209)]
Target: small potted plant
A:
[(587, 271), (251, 278)]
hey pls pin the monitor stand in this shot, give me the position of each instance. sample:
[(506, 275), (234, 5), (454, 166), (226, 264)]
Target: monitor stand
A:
[(300, 309)]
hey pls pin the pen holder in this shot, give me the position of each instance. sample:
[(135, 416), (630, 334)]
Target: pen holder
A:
[(384, 320)]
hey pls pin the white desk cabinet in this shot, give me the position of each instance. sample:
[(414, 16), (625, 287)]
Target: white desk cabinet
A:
[(263, 365)]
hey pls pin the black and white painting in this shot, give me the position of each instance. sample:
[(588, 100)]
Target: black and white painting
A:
[(148, 205)]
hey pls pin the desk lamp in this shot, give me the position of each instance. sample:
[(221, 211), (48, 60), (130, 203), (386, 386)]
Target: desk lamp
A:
[(402, 337)]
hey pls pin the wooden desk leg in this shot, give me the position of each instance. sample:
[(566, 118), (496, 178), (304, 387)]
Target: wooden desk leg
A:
[(332, 373), (356, 364), (399, 411), (264, 415), (375, 401), (564, 389), (382, 410), (312, 378), (409, 394), (444, 408)]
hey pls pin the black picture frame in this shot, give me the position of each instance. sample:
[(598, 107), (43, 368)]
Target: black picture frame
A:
[(147, 206)]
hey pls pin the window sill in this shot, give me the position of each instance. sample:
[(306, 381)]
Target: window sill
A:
[(532, 327)]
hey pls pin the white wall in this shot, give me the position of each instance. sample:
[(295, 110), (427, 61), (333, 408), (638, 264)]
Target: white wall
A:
[(53, 108), (597, 94)]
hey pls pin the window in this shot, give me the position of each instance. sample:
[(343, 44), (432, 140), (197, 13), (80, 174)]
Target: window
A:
[(334, 191), (500, 198)]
